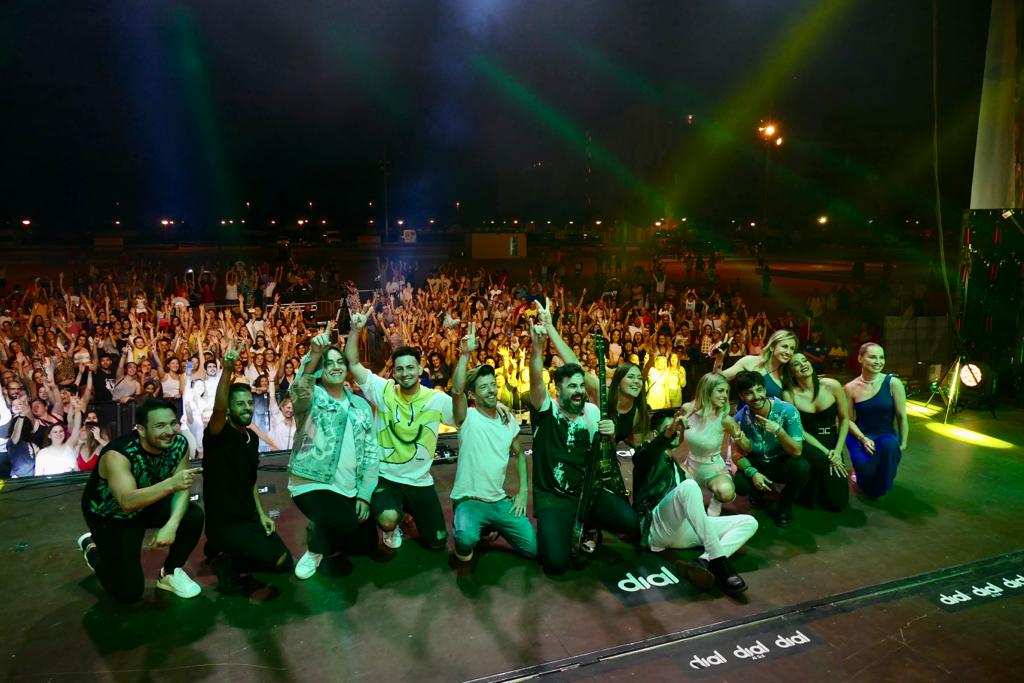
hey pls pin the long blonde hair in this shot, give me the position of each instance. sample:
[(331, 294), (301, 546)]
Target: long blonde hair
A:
[(777, 338), (706, 386)]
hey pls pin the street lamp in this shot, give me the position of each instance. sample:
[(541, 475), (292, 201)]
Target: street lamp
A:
[(769, 132)]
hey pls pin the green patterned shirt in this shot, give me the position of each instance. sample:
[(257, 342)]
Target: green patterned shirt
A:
[(147, 468)]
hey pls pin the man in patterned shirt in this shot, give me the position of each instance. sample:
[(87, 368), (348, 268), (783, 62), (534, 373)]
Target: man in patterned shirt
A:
[(771, 440), (141, 482)]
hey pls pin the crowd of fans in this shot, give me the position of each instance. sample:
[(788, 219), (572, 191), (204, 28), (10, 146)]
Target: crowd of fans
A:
[(77, 352)]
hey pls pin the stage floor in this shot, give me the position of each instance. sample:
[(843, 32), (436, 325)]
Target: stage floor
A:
[(850, 596)]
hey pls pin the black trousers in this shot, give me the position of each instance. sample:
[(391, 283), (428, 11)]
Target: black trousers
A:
[(793, 473), (118, 562), (333, 525), (554, 528), (830, 491), (248, 547), (419, 501)]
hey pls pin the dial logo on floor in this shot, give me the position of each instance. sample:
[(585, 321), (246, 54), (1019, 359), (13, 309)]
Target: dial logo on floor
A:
[(642, 583)]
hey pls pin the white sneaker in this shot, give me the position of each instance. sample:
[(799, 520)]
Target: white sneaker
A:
[(307, 565), (393, 539), (179, 583), (84, 542)]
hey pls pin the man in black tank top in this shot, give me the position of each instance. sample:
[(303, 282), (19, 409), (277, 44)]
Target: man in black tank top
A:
[(242, 537), (141, 482)]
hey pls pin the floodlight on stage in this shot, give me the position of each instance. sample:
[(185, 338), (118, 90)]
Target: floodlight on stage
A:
[(971, 375), (977, 384)]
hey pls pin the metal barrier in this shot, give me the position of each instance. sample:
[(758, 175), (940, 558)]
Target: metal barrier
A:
[(119, 418)]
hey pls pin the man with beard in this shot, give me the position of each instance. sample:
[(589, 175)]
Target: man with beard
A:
[(771, 441), (142, 482), (485, 438), (563, 434), (335, 458), (241, 535), (627, 399), (672, 514), (408, 419)]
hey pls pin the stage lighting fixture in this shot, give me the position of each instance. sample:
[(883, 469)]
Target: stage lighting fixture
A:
[(977, 384), (971, 375)]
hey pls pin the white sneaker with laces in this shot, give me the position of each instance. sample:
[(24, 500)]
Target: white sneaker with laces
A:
[(307, 565), (179, 583), (393, 539)]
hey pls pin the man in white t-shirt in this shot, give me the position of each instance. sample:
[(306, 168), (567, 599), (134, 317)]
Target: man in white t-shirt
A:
[(485, 439), (408, 418)]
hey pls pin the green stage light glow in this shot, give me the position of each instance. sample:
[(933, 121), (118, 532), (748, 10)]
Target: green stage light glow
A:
[(565, 129), (808, 31), (968, 436), (192, 66)]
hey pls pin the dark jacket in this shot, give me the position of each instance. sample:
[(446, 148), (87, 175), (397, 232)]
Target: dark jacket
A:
[(654, 477)]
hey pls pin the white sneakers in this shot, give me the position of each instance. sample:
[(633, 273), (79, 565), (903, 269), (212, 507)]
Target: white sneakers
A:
[(393, 539), (179, 583), (307, 565)]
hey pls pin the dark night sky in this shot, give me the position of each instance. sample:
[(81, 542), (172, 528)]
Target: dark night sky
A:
[(189, 109)]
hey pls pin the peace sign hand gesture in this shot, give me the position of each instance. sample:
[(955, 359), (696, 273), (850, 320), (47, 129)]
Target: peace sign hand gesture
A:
[(543, 312), (360, 318), (468, 344)]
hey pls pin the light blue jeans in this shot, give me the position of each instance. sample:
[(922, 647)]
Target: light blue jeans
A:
[(471, 516)]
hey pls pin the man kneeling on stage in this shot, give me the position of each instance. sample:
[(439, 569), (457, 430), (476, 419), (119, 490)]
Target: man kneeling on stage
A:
[(241, 535), (672, 514), (485, 438), (563, 433), (142, 482), (335, 461)]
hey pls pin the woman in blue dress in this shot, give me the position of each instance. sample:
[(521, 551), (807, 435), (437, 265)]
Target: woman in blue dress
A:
[(878, 423)]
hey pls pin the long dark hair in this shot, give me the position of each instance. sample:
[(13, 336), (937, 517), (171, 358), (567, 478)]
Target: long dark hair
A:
[(789, 376), (642, 420)]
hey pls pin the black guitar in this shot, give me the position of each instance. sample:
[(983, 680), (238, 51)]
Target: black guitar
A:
[(602, 472)]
